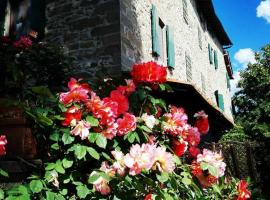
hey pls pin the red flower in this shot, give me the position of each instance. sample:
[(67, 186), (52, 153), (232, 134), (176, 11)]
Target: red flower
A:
[(194, 151), (149, 72), (72, 115), (23, 43), (121, 100), (148, 197), (243, 192), (193, 137), (196, 169), (77, 92), (5, 39), (179, 148), (127, 124), (202, 122), (3, 142), (127, 90)]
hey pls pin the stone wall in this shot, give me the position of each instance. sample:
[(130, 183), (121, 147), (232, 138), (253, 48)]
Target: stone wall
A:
[(136, 43), (89, 30)]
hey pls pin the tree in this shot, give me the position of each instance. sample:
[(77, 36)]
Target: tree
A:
[(253, 100)]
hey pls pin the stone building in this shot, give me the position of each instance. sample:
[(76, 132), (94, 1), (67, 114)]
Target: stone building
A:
[(185, 35)]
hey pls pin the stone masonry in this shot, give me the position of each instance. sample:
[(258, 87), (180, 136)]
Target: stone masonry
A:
[(136, 43), (117, 33), (89, 30)]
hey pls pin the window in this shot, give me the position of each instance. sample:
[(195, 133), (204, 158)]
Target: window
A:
[(22, 17), (185, 11), (200, 37), (215, 59), (162, 40), (228, 81), (188, 68), (220, 100), (210, 52), (203, 83)]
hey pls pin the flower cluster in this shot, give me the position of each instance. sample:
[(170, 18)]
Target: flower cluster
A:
[(149, 72), (210, 162), (23, 43), (243, 192), (3, 142), (140, 158), (112, 111)]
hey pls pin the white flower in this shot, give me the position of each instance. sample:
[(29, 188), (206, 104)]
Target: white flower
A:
[(149, 120)]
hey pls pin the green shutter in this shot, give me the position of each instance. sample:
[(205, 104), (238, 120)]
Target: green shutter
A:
[(37, 17), (215, 59), (210, 54), (220, 100), (155, 34), (170, 47), (3, 6)]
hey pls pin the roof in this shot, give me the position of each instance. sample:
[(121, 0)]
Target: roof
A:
[(208, 11)]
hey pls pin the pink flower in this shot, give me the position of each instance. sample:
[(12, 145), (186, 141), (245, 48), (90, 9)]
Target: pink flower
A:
[(119, 164), (101, 185), (3, 142), (72, 115), (139, 158), (193, 137), (126, 124), (23, 43), (110, 131), (202, 122), (81, 129), (77, 92), (164, 161), (176, 122)]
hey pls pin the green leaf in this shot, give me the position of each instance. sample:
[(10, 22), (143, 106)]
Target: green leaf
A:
[(82, 191), (93, 177), (55, 136), (58, 167), (50, 195), (55, 146), (204, 165), (213, 171), (106, 156), (2, 194), (64, 192), (146, 129), (101, 141), (44, 120), (50, 166), (131, 137), (163, 177), (62, 107), (93, 137), (43, 90), (67, 138), (36, 186), (186, 181), (93, 153), (92, 121), (3, 173), (80, 151), (67, 163)]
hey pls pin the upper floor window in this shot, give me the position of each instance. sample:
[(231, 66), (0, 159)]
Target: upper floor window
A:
[(220, 100), (23, 17), (162, 40), (185, 10)]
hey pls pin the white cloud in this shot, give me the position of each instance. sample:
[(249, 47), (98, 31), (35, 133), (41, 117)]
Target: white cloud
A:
[(245, 56), (263, 10), (234, 83), (242, 58)]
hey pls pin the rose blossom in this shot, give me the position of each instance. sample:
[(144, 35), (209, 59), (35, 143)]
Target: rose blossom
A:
[(3, 142), (202, 122), (179, 147), (72, 115), (243, 192), (81, 129), (126, 124)]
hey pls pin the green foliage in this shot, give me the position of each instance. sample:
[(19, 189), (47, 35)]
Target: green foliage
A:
[(235, 134), (253, 100)]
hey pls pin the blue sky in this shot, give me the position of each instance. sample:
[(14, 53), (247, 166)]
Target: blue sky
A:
[(247, 23)]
